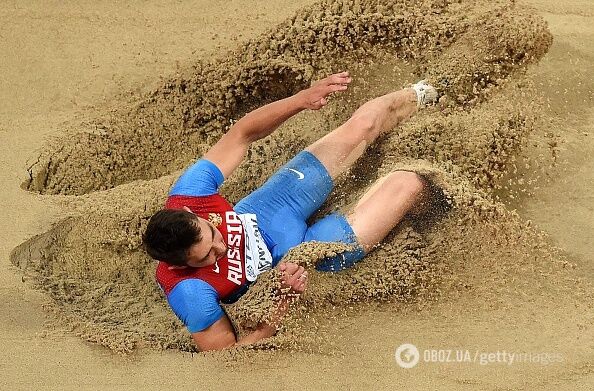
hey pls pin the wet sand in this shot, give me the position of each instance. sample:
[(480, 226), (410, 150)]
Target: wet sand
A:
[(513, 293)]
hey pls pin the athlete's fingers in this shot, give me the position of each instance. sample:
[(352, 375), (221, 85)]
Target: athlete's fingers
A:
[(293, 278), (298, 273), (301, 278), (336, 78), (337, 87), (291, 268), (340, 78), (339, 75), (300, 285), (288, 267), (288, 270), (300, 288), (304, 287), (342, 81)]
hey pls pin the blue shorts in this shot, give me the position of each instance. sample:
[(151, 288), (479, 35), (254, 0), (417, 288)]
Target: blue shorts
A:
[(285, 202)]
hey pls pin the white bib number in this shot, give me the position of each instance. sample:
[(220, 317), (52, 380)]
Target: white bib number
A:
[(257, 256)]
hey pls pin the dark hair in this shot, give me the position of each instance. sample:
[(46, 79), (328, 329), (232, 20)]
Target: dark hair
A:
[(170, 234)]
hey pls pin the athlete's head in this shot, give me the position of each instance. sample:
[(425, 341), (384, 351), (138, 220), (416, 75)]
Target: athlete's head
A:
[(181, 238)]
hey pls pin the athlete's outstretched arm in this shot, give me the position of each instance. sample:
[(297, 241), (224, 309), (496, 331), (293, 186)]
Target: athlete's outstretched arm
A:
[(230, 150)]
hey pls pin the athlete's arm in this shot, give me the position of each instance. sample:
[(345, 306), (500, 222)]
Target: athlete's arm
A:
[(230, 150), (220, 334)]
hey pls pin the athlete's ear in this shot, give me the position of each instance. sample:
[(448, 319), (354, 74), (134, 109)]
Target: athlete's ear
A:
[(173, 267), (187, 209)]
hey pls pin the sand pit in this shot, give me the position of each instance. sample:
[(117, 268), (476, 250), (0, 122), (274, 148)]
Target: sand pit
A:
[(112, 170), (92, 264)]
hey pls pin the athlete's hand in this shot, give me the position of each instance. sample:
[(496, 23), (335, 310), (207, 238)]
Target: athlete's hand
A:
[(293, 276), (315, 97)]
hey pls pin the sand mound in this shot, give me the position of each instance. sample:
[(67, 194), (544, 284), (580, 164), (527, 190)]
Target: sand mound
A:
[(92, 264)]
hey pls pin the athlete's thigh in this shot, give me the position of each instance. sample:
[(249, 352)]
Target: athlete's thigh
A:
[(288, 199), (339, 149), (302, 185)]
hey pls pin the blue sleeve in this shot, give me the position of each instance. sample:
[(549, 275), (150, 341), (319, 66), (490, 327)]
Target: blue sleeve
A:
[(196, 304), (202, 178)]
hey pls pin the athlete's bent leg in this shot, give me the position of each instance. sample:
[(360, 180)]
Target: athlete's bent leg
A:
[(340, 148), (380, 209), (385, 204)]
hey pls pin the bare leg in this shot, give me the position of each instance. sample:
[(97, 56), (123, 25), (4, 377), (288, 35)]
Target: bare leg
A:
[(339, 149), (392, 197), (385, 204)]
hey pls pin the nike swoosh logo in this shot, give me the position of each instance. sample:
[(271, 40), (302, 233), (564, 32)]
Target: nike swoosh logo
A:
[(299, 174)]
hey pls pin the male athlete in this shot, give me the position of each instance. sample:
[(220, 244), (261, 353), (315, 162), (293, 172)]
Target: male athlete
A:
[(210, 252)]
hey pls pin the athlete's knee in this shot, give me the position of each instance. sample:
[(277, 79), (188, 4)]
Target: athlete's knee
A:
[(406, 181), (364, 122)]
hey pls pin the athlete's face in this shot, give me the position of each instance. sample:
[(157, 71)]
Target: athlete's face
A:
[(210, 249)]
